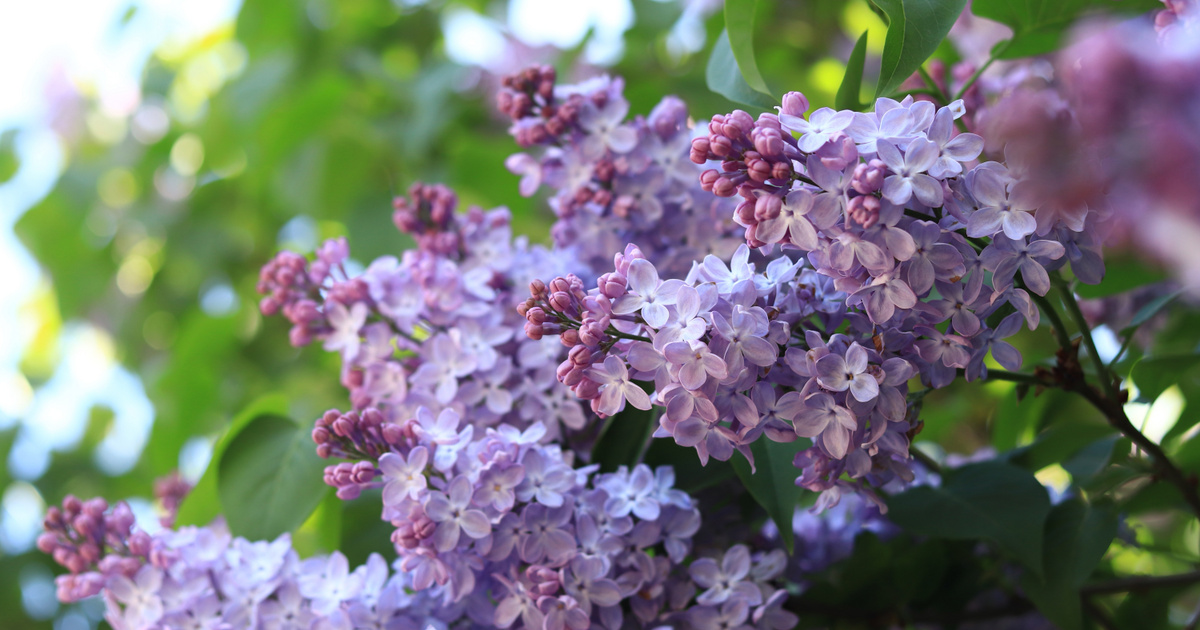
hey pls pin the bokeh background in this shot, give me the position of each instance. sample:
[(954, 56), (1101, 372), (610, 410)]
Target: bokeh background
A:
[(153, 154)]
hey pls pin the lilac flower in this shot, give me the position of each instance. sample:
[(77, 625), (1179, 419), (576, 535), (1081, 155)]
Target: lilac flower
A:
[(630, 492), (685, 324), (445, 362), (822, 125), (548, 534), (143, 606), (727, 579), (839, 374), (931, 260), (328, 582), (496, 488), (909, 172), (953, 149), (647, 294), (453, 514), (792, 222), (884, 295), (544, 482), (404, 478), (616, 388), (346, 323), (743, 339), (289, 610), (831, 422), (586, 582), (1000, 210), (695, 363), (604, 129), (1004, 257)]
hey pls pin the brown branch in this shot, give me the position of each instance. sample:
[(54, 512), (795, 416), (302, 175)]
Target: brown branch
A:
[(1140, 583)]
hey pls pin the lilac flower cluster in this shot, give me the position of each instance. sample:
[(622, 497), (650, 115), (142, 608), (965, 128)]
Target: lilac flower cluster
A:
[(614, 180), (201, 577), (433, 328), (910, 249), (501, 523), (1119, 129)]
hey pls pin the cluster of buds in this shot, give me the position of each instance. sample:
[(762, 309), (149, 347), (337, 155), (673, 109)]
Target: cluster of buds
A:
[(93, 544)]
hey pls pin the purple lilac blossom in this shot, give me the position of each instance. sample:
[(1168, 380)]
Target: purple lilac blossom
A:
[(880, 226)]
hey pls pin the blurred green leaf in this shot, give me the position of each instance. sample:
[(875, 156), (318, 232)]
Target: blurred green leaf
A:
[(1121, 273), (1076, 536), (1155, 375), (848, 94), (202, 504), (915, 29), (739, 26), (269, 478), (725, 78), (1038, 25), (989, 500), (624, 437), (773, 483), (9, 163)]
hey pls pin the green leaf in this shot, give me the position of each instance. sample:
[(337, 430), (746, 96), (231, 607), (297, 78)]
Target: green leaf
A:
[(915, 29), (624, 437), (1149, 310), (1090, 460), (1155, 375), (1038, 25), (725, 78), (848, 92), (990, 500), (1077, 535), (690, 475), (1121, 273), (202, 504), (9, 162), (739, 26), (773, 482), (269, 478)]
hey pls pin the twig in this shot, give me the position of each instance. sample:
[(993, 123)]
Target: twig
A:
[(1140, 583), (1085, 331)]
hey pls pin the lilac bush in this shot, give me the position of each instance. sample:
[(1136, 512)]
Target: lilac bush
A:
[(784, 292)]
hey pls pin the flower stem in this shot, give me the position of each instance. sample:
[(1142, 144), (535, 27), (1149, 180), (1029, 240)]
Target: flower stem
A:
[(975, 75)]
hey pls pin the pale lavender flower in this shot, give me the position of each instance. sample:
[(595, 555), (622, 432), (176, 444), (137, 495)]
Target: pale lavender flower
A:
[(143, 607), (453, 513), (909, 176), (823, 417), (647, 294), (838, 374), (695, 362), (822, 125), (346, 323), (404, 478), (725, 580), (1004, 207), (328, 582), (616, 388), (1005, 256)]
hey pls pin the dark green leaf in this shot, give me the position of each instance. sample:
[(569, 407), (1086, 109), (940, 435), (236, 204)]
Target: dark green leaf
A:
[(725, 78), (915, 29), (1090, 460), (1121, 273), (773, 482), (1076, 536), (202, 505), (1149, 310), (1038, 25), (990, 500), (1155, 375), (739, 25), (269, 478), (848, 92), (690, 475), (624, 437)]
